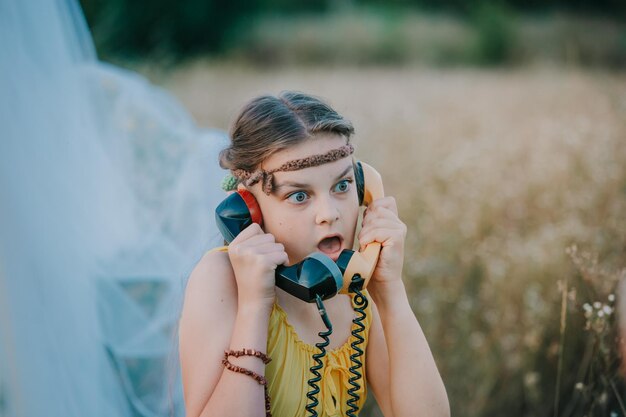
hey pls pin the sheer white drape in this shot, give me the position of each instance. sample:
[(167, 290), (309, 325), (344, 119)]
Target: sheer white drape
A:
[(107, 193)]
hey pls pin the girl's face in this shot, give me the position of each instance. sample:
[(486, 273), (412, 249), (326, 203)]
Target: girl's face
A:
[(312, 209)]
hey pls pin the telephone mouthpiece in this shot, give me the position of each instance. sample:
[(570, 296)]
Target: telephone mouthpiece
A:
[(316, 275)]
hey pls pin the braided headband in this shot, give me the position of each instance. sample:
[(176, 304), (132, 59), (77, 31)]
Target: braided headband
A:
[(267, 177)]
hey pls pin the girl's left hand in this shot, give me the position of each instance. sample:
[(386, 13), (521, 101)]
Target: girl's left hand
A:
[(381, 224)]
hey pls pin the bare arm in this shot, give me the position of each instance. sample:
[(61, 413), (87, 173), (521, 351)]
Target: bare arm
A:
[(415, 386), (210, 323), (401, 367), (217, 316), (378, 363)]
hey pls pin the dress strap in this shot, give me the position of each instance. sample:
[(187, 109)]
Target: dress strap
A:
[(218, 249)]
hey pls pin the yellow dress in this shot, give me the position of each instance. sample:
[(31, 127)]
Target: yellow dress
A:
[(288, 372)]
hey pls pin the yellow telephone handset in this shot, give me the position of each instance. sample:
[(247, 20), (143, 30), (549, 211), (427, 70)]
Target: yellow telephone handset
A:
[(364, 262)]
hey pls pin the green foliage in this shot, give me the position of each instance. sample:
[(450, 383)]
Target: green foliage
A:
[(616, 8), (125, 28), (397, 31), (493, 37), (495, 33), (356, 37), (174, 28)]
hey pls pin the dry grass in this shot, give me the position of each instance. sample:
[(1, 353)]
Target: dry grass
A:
[(496, 174)]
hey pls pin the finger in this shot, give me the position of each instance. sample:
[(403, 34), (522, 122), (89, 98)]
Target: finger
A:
[(380, 212), (383, 223), (278, 258), (256, 240), (238, 247), (392, 223), (386, 202), (377, 235), (252, 242), (269, 248), (248, 232), (382, 235)]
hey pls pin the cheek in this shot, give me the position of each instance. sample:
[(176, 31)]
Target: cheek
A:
[(351, 213), (290, 231), (279, 222)]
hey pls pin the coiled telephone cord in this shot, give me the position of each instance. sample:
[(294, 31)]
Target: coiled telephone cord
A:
[(360, 304), (314, 390)]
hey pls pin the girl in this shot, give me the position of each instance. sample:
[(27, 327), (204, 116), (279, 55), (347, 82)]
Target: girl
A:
[(292, 152)]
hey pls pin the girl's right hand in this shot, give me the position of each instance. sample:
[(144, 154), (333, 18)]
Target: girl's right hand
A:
[(254, 256)]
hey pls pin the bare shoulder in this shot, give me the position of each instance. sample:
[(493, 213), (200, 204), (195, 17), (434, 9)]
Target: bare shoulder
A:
[(212, 279), (211, 293)]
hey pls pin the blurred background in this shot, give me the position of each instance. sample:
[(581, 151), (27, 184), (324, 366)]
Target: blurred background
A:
[(500, 128)]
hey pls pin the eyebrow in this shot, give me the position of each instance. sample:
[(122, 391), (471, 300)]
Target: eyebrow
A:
[(302, 185)]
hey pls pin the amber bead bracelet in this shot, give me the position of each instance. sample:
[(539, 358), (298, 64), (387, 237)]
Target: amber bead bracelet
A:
[(258, 378), (248, 352)]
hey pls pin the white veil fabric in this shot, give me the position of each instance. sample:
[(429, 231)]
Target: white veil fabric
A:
[(107, 194)]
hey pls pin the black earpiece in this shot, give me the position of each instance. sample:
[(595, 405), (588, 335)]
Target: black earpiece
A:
[(236, 212), (359, 180)]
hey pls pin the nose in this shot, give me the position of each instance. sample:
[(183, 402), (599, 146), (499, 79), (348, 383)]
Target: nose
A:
[(327, 210)]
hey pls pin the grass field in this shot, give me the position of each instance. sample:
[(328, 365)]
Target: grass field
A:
[(513, 186)]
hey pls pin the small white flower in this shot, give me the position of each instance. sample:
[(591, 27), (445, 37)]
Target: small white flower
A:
[(611, 297), (597, 305), (600, 313), (587, 307), (608, 310), (531, 378), (579, 386)]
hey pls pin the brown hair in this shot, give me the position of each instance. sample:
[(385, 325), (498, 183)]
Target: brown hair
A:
[(268, 124)]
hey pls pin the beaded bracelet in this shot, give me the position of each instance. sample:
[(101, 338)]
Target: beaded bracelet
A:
[(248, 352), (258, 378)]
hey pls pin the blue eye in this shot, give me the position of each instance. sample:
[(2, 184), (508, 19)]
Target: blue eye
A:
[(342, 186), (298, 197)]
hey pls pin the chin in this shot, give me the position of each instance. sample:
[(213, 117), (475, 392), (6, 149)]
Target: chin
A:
[(334, 256), (294, 259)]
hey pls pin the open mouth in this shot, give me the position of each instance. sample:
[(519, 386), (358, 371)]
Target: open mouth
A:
[(331, 246)]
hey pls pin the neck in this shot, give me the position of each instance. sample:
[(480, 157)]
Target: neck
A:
[(292, 304)]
